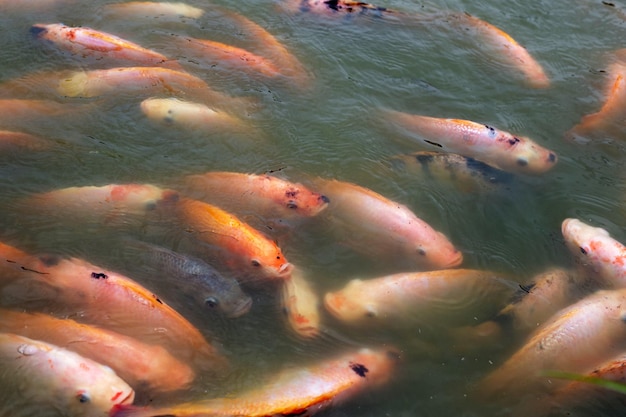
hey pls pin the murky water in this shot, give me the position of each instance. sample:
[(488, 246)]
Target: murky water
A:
[(333, 130)]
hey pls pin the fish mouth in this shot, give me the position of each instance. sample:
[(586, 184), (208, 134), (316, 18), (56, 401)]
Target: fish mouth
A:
[(38, 29), (285, 269), (241, 308)]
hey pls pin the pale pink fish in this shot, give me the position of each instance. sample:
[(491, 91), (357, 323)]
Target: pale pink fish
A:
[(152, 10), (498, 148), (259, 194), (294, 391), (612, 114), (38, 378), (373, 224), (72, 287), (143, 366), (575, 339), (301, 304), (101, 47), (596, 251), (432, 298), (500, 46), (13, 140)]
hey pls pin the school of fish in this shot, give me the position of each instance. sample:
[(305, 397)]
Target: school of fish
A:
[(84, 338)]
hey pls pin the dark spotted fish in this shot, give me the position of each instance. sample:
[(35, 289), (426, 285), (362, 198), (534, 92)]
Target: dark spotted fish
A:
[(196, 278), (295, 391)]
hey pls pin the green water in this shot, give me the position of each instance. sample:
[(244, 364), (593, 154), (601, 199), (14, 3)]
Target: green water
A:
[(334, 130)]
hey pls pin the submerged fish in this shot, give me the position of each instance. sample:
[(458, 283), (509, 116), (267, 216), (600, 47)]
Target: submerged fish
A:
[(85, 42), (196, 278), (575, 339), (433, 298), (497, 148), (241, 246), (75, 288), (262, 195), (467, 174), (38, 378), (301, 304), (142, 365), (152, 10), (299, 391), (339, 7), (596, 251), (11, 140), (375, 225)]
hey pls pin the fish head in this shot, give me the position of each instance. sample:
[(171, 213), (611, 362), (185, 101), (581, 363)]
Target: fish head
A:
[(140, 197), (350, 304), (583, 240), (302, 201), (231, 302), (530, 158), (270, 263), (434, 253)]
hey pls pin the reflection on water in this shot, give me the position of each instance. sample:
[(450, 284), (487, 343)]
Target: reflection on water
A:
[(333, 129)]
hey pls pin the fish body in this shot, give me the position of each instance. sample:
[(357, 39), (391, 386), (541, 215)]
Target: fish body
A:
[(505, 48), (300, 391), (575, 339), (142, 365), (468, 174), (72, 287), (500, 149), (194, 277), (181, 114), (152, 9), (262, 195), (38, 378), (433, 298), (373, 224), (243, 246), (612, 114), (596, 251), (85, 42), (301, 304), (12, 140)]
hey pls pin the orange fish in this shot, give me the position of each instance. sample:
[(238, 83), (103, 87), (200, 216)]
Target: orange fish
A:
[(596, 251), (505, 47), (217, 54), (575, 339), (301, 304), (301, 391), (375, 225), (39, 378), (10, 140), (482, 142), (244, 247), (142, 365), (88, 293), (612, 114), (432, 298), (263, 195), (84, 42)]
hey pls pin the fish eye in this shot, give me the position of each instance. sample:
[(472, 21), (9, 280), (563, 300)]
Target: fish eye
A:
[(583, 251), (292, 205), (421, 251), (522, 162), (255, 263), (151, 206), (83, 398), (211, 302)]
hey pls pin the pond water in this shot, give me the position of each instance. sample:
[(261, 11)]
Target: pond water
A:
[(334, 129)]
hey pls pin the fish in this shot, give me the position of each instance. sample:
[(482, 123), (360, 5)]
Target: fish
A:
[(596, 251), (77, 289), (181, 114), (152, 9), (575, 339), (263, 195), (501, 47), (39, 378), (106, 203), (498, 148), (612, 114), (192, 276), (242, 247), (301, 304), (338, 7), (13, 140), (147, 367), (378, 226), (547, 293), (84, 42), (294, 391), (228, 57), (465, 173), (449, 297)]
